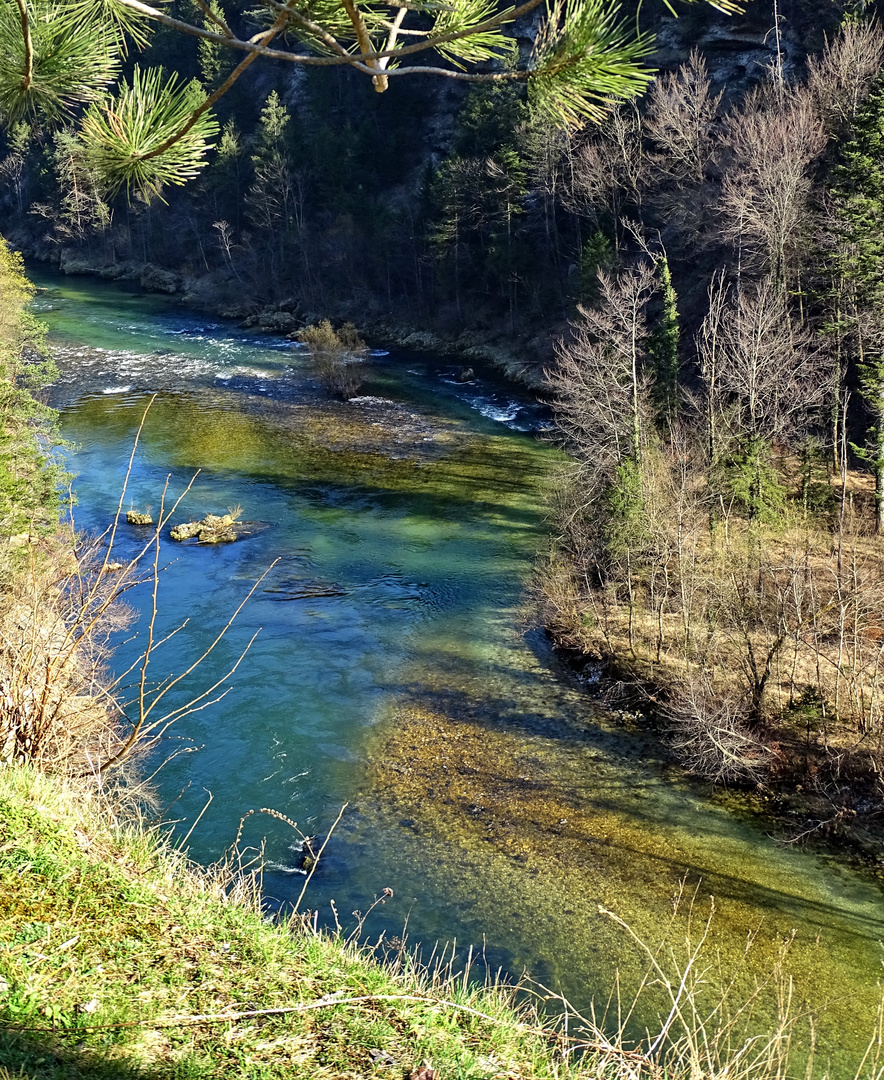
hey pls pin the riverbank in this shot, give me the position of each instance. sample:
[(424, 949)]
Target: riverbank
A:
[(121, 956), (752, 649), (801, 802), (522, 359)]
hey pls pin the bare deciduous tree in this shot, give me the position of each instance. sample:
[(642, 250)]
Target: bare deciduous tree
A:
[(602, 383), (602, 379), (765, 197), (752, 356), (680, 119), (609, 171), (839, 78)]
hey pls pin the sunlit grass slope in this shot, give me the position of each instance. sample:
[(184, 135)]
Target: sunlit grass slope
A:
[(120, 959), (111, 945)]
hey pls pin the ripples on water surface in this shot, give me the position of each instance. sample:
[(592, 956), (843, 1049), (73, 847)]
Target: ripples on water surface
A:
[(485, 787)]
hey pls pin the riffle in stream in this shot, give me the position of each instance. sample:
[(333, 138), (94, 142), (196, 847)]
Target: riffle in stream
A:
[(501, 803)]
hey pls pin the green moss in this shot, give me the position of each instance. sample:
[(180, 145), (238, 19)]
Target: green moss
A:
[(540, 836)]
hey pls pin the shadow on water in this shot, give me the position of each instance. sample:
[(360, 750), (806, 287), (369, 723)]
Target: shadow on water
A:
[(185, 438), (591, 798)]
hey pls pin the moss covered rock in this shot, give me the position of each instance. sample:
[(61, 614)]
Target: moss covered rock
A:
[(212, 529), (135, 517)]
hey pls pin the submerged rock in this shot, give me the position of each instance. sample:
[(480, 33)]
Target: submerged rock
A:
[(307, 855)]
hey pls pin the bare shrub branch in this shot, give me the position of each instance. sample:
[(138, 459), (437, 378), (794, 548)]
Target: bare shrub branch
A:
[(712, 737), (59, 707), (839, 78)]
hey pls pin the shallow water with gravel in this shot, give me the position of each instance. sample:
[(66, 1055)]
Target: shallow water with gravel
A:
[(503, 804)]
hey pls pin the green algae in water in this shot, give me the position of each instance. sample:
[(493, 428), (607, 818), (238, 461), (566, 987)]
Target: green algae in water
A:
[(488, 791), (544, 834)]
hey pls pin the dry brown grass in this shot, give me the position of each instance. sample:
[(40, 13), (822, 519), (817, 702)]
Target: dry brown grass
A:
[(742, 631)]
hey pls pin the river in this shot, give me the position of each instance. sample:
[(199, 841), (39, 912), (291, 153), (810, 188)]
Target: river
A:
[(486, 787)]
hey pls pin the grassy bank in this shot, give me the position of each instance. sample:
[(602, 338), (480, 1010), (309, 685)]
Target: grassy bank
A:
[(113, 944), (119, 958)]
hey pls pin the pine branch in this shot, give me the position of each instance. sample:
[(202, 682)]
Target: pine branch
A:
[(52, 64), (311, 27), (210, 101), (122, 136), (28, 76), (355, 60), (365, 45)]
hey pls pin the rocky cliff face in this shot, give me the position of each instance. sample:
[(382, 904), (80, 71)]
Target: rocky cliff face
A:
[(740, 48)]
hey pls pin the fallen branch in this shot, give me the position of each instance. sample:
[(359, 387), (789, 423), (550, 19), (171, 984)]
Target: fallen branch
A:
[(322, 1003), (330, 1001)]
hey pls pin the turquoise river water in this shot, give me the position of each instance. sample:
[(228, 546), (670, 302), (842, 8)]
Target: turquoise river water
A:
[(392, 672)]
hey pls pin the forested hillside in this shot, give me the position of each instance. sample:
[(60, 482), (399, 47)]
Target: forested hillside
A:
[(436, 205), (720, 393), (695, 284)]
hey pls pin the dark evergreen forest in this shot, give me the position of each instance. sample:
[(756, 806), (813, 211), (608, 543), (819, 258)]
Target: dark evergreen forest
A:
[(435, 205)]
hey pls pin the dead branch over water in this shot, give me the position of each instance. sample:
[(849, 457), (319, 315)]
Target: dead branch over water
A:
[(60, 707)]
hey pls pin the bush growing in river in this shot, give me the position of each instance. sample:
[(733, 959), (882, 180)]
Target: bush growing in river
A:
[(338, 356)]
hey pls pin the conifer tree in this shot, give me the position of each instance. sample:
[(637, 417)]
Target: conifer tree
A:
[(59, 57), (453, 195), (663, 345), (859, 201), (270, 195), (212, 55)]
